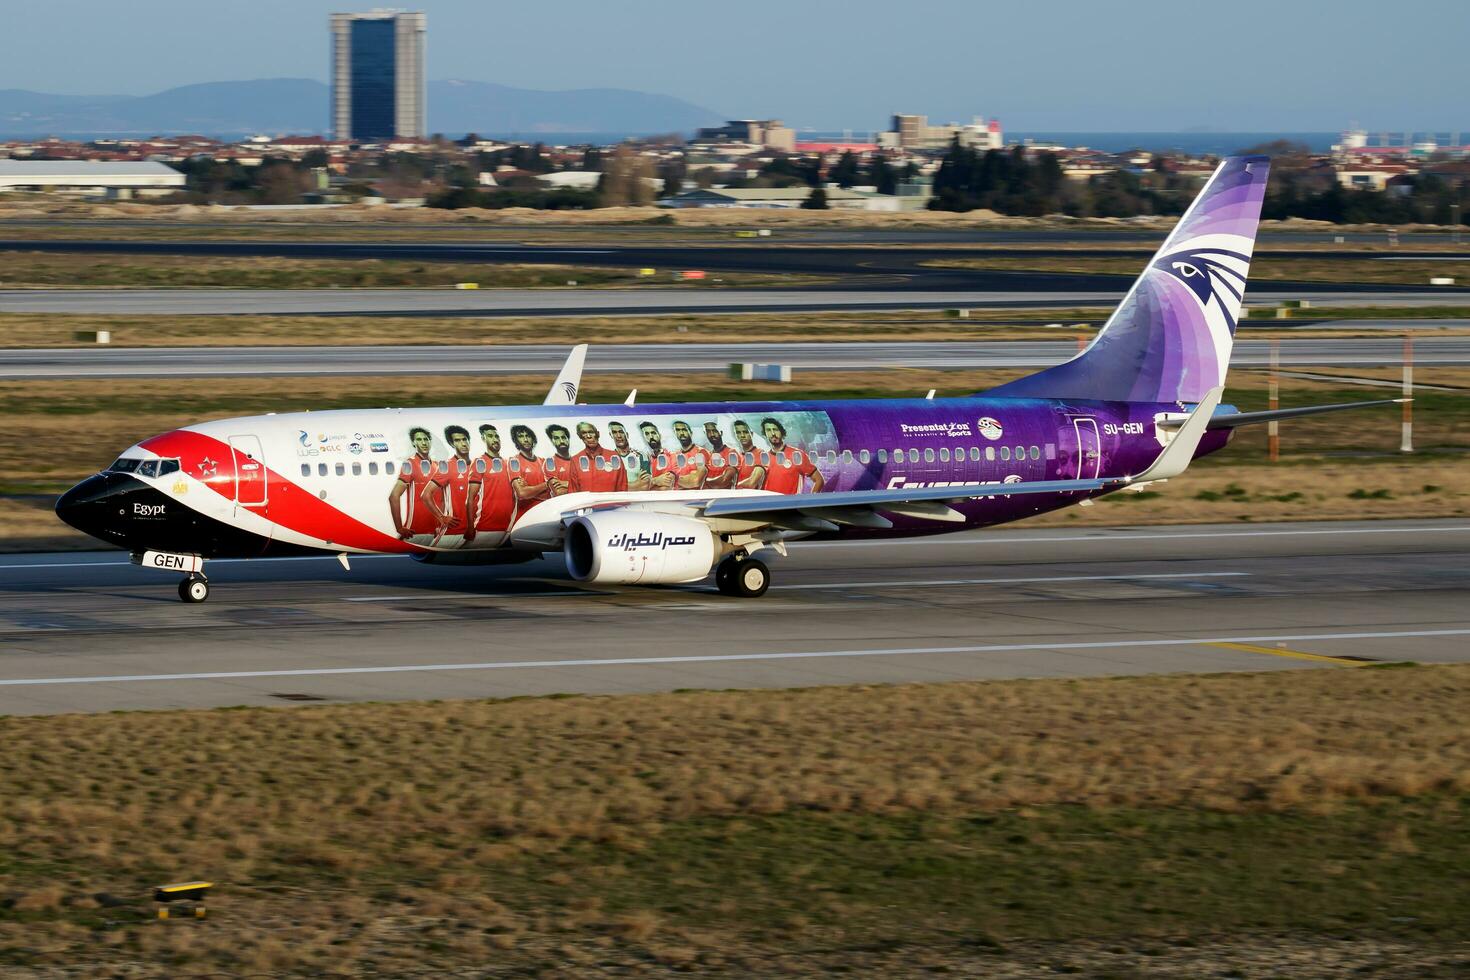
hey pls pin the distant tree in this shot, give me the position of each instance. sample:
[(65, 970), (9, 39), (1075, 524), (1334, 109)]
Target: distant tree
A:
[(882, 175), (315, 158), (627, 179), (845, 173), (592, 158), (816, 200)]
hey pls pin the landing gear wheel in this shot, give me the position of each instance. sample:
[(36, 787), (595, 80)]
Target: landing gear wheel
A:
[(725, 576), (194, 588), (751, 579)]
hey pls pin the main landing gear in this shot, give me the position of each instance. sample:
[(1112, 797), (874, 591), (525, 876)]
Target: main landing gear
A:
[(742, 576), (194, 588)]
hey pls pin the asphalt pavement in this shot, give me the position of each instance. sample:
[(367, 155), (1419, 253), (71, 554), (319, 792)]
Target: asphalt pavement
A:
[(89, 632), (157, 362)]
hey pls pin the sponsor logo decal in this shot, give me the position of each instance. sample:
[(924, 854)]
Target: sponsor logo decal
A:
[(990, 428), (630, 542), (380, 447), (361, 436), (952, 430), (303, 436), (1013, 478), (355, 449), (207, 468), (148, 510)]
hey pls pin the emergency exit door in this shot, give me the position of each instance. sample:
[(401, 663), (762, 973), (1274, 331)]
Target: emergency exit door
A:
[(250, 475), (1089, 448)]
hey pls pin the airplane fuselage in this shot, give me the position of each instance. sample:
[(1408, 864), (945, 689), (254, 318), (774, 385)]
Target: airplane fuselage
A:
[(399, 480)]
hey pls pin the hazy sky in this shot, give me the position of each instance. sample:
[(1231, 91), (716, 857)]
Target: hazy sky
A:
[(1240, 65)]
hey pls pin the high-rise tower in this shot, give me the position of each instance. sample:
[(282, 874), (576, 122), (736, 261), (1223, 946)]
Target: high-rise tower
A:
[(378, 75)]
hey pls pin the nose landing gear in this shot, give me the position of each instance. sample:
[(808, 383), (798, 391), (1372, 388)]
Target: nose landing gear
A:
[(194, 587)]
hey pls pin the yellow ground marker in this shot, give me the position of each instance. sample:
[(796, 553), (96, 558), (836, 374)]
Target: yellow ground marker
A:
[(1291, 654)]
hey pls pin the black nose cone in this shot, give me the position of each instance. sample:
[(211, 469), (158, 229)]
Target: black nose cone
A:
[(101, 506)]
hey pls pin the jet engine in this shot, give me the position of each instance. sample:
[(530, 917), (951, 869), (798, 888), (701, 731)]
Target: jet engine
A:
[(628, 548)]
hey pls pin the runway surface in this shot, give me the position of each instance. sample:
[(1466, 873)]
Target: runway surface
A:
[(92, 633), (627, 302), (155, 362)]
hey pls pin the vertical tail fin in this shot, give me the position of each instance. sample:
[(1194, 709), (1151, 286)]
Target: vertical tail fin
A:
[(1170, 338)]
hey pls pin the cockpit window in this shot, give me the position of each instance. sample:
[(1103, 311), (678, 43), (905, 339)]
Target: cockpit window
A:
[(167, 466), (125, 464), (149, 467)]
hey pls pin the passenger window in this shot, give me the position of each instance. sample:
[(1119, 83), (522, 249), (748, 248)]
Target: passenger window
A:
[(847, 455), (681, 460), (149, 468), (1020, 452), (750, 459), (306, 469), (1005, 453), (585, 465), (425, 467), (1035, 452), (357, 469), (974, 454), (1051, 450), (990, 454), (496, 465), (928, 455), (515, 465), (913, 455), (321, 469), (865, 457), (373, 469), (480, 464), (944, 454), (882, 455), (832, 456), (461, 467), (341, 469)]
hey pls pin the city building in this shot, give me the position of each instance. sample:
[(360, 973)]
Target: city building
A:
[(767, 197), (914, 133), (769, 133), (378, 76), (90, 178)]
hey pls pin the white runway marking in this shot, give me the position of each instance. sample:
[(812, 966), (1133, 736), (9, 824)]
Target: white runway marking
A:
[(1121, 577), (733, 657)]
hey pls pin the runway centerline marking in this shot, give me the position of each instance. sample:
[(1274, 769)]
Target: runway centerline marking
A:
[(732, 657), (1291, 654)]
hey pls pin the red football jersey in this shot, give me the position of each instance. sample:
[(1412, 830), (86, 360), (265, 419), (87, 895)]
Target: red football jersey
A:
[(561, 469), (453, 478), (668, 462), (610, 478), (531, 472), (747, 465), (787, 467), (417, 473), (496, 506)]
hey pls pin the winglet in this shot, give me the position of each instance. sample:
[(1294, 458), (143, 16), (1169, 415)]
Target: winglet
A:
[(632, 397), (1178, 454), (564, 388)]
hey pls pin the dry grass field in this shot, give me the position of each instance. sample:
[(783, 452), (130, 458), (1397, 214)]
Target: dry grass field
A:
[(1212, 818), (21, 269)]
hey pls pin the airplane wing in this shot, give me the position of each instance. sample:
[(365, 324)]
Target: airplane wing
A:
[(564, 388), (1232, 419)]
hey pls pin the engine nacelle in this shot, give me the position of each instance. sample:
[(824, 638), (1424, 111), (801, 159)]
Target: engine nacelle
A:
[(628, 547)]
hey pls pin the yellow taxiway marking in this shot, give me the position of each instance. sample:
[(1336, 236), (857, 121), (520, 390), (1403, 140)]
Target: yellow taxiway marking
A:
[(1292, 654)]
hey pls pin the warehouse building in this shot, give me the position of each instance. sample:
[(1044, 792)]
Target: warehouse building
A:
[(91, 178)]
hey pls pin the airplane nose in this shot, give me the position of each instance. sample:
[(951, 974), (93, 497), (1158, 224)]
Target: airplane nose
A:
[(99, 506)]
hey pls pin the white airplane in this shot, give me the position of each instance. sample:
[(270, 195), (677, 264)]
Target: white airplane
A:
[(668, 493)]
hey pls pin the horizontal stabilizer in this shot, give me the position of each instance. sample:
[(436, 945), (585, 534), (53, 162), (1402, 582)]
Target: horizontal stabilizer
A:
[(1233, 419)]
